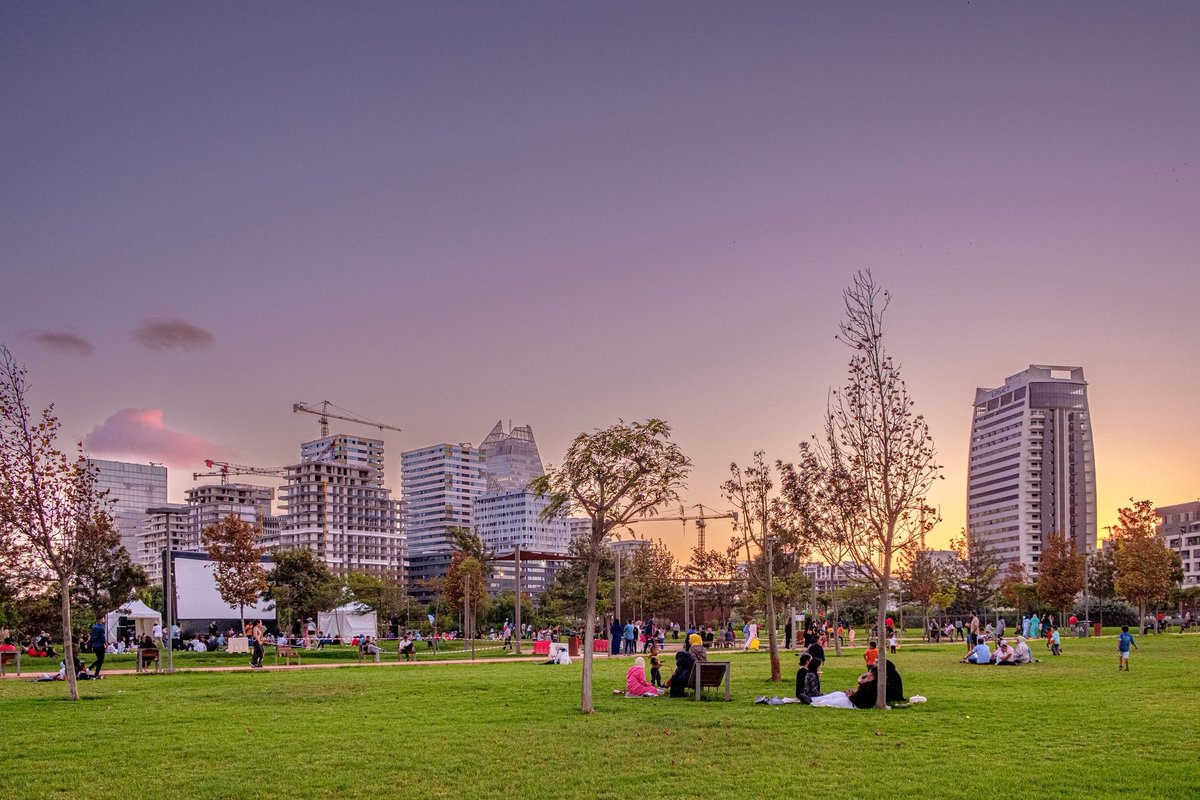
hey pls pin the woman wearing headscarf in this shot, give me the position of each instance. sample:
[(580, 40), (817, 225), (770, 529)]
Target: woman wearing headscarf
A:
[(683, 670), (696, 648), (636, 684), (616, 636)]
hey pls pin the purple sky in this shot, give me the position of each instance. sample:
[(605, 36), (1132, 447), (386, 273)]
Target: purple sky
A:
[(440, 215)]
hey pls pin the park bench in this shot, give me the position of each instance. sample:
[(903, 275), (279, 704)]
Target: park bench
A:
[(364, 654), (13, 657), (146, 655), (288, 653), (707, 674)]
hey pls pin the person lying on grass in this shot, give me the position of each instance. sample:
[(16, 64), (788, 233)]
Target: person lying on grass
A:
[(864, 694)]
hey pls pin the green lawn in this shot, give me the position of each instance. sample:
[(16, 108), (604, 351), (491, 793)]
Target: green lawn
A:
[(1067, 727)]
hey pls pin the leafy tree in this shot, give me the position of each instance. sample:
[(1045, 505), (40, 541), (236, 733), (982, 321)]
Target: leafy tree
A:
[(566, 596), (722, 580), (613, 476), (1060, 573), (465, 570), (1102, 574), (47, 500), (302, 584), (651, 585), (232, 544), (502, 608), (920, 576), (879, 451), (384, 595), (1016, 588), (1145, 566), (107, 576), (976, 571)]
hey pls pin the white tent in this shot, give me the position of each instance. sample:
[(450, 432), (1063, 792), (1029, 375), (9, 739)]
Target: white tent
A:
[(347, 622), (141, 615)]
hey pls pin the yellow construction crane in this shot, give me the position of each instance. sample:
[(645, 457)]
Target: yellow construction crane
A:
[(321, 409), (224, 469), (700, 518)]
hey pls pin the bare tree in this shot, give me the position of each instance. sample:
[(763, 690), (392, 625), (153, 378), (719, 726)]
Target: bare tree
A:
[(233, 545), (614, 476), (47, 500), (880, 448), (757, 527)]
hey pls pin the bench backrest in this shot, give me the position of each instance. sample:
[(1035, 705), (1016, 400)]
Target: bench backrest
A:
[(712, 673), (148, 653), (8, 656)]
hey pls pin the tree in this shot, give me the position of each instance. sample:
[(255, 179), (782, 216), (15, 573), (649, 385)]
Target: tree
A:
[(232, 544), (1016, 589), (566, 596), (47, 500), (1102, 573), (614, 476), (384, 595), (651, 580), (758, 526), (1060, 573), (1145, 566), (720, 576), (107, 576), (466, 579), (920, 576), (879, 450), (976, 570), (301, 584)]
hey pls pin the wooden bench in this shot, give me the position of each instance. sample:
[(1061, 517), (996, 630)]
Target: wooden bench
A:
[(146, 655), (13, 657), (288, 652), (706, 674), (364, 654)]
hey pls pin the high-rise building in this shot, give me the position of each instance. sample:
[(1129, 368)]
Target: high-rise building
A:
[(132, 488), (335, 503), (440, 484), (211, 503), (1179, 527), (1032, 469), (512, 458), (168, 525)]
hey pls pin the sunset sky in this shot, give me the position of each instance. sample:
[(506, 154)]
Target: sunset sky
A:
[(444, 214)]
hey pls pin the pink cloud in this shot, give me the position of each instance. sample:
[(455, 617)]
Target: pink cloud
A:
[(172, 334), (64, 341), (142, 433)]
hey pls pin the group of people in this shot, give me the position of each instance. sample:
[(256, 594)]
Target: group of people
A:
[(686, 659), (1004, 656)]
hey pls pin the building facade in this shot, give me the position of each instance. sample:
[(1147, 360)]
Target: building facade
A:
[(440, 485), (165, 526), (132, 488), (211, 503), (1032, 469), (334, 502), (1179, 527)]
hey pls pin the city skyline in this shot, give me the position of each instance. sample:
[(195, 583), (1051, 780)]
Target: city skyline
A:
[(569, 214)]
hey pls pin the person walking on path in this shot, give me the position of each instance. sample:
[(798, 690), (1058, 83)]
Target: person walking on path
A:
[(1124, 641), (97, 641), (256, 642)]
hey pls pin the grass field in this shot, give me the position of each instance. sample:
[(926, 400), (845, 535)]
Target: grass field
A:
[(1068, 727)]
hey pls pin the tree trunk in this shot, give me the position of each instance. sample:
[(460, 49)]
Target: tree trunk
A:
[(773, 637), (585, 703), (881, 644), (64, 587)]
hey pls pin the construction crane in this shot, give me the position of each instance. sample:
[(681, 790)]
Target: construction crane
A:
[(321, 409), (700, 518), (224, 469)]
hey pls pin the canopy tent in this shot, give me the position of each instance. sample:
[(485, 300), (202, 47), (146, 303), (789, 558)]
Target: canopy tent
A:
[(140, 615), (347, 622)]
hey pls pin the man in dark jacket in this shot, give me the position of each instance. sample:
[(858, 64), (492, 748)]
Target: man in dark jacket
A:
[(97, 641)]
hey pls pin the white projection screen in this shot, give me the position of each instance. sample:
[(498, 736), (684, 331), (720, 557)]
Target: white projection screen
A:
[(197, 595)]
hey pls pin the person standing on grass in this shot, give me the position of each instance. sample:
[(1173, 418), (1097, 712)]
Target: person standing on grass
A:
[(616, 635), (973, 631), (1055, 642), (97, 642), (630, 638), (1124, 641), (256, 643)]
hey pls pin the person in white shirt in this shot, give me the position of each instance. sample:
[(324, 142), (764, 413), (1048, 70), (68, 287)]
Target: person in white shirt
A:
[(1005, 655), (157, 634), (1022, 654)]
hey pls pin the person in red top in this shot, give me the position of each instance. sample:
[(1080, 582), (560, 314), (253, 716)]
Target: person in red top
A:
[(871, 655)]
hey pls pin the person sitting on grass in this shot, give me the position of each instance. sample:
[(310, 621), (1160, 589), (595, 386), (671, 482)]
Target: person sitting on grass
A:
[(1023, 653), (636, 684), (683, 671), (1005, 655), (808, 679), (861, 696), (980, 654)]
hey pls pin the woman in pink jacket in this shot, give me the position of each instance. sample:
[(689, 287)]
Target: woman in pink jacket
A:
[(636, 684)]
